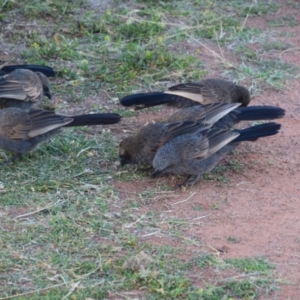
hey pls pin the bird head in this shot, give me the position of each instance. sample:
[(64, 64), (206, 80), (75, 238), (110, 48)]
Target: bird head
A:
[(45, 83), (244, 95), (124, 155), (162, 161), (157, 173), (124, 161)]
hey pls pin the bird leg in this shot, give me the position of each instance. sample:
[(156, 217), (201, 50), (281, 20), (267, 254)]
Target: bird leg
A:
[(191, 179)]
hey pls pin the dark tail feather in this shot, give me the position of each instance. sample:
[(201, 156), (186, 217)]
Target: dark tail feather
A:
[(147, 99), (258, 131), (94, 119), (254, 113), (48, 71)]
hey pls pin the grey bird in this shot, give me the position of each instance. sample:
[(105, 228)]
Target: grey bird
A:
[(22, 131), (141, 147), (206, 91), (198, 153), (23, 88)]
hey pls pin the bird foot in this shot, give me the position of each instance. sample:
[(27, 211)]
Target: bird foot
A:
[(191, 179)]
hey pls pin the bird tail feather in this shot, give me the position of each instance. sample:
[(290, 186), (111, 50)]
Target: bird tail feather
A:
[(48, 71), (94, 119), (258, 131), (147, 99), (254, 113)]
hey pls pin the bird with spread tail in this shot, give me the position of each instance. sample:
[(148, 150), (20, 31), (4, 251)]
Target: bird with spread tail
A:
[(198, 153), (190, 94), (22, 131)]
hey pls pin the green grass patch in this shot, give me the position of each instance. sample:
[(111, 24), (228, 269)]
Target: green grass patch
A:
[(251, 264), (289, 21), (272, 73)]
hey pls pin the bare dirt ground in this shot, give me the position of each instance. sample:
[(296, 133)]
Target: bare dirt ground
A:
[(260, 207)]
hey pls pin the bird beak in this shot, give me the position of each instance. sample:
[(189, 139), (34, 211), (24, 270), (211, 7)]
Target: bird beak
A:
[(123, 161), (48, 94), (156, 173)]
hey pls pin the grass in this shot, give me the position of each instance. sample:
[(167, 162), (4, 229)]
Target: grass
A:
[(289, 21), (67, 231)]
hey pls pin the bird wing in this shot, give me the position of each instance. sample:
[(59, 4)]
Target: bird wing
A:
[(205, 92), (216, 111), (44, 121), (175, 129), (18, 124), (203, 144), (228, 121), (208, 114), (192, 91), (11, 88), (196, 146), (15, 87), (156, 135), (188, 146), (218, 138), (193, 113)]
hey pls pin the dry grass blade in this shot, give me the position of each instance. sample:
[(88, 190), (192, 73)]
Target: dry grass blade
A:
[(33, 292), (38, 210)]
